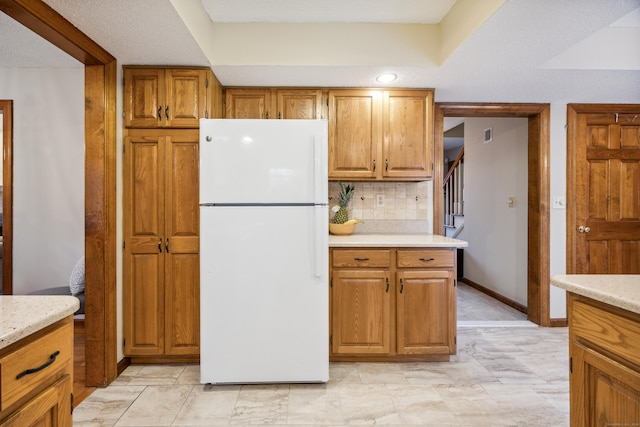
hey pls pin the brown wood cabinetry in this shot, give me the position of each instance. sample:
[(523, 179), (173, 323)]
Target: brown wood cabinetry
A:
[(393, 304), (273, 103), (159, 97), (161, 243), (36, 378), (604, 363), (376, 134)]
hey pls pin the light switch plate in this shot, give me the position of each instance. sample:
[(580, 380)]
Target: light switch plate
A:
[(559, 202)]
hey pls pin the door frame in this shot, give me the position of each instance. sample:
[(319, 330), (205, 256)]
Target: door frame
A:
[(573, 110), (100, 84), (538, 215), (6, 108)]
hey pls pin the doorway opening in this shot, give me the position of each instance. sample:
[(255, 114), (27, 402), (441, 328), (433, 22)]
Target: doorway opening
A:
[(538, 147)]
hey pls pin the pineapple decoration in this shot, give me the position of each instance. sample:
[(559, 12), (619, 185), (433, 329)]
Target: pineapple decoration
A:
[(344, 197)]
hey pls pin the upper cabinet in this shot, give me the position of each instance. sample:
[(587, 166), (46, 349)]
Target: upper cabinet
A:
[(273, 104), (160, 97), (355, 134), (381, 134)]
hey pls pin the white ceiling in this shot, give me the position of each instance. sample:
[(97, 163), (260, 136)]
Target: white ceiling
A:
[(525, 51)]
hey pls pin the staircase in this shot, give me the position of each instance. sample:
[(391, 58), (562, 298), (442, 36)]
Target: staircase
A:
[(453, 189)]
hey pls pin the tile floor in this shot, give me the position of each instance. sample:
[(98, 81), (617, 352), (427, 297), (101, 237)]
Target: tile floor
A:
[(506, 373)]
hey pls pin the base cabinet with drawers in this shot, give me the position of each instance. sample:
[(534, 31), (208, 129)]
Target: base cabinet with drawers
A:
[(604, 353), (393, 304), (36, 378)]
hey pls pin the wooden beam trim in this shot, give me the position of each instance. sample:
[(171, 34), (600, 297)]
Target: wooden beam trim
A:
[(46, 22)]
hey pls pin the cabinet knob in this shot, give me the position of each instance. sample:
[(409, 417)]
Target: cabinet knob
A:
[(583, 229), (387, 290), (166, 112), (160, 113), (401, 286), (386, 164), (374, 165)]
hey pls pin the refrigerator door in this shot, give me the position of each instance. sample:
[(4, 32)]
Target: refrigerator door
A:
[(263, 161), (264, 294)]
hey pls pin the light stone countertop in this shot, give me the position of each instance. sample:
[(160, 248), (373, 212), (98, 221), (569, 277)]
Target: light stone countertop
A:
[(22, 315), (408, 240), (619, 290)]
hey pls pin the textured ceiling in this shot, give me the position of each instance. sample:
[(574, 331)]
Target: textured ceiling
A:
[(527, 51)]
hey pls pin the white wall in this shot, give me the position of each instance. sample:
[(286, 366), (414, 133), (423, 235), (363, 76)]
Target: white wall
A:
[(558, 217), (48, 177), (497, 234)]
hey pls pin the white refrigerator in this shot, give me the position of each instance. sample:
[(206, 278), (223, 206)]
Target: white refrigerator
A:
[(264, 304)]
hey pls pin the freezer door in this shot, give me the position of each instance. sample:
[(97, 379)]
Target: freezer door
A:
[(264, 294), (263, 161)]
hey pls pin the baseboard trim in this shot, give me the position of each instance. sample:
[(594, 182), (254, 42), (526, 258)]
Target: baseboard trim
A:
[(123, 364), (558, 323), (511, 303)]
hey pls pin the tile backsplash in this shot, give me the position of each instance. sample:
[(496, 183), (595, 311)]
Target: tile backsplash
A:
[(389, 206)]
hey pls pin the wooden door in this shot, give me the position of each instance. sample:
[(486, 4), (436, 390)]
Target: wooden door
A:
[(360, 304), (249, 104), (143, 97), (355, 128), (425, 312), (144, 237), (604, 172), (185, 97), (299, 104), (408, 134), (182, 246)]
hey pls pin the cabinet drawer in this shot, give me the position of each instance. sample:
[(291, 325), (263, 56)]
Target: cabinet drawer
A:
[(615, 333), (426, 258), (34, 363), (361, 258)]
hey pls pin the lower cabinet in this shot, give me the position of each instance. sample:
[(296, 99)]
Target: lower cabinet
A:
[(36, 378), (604, 364), (393, 304)]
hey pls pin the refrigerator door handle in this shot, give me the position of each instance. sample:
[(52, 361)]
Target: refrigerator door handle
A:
[(317, 164), (320, 247)]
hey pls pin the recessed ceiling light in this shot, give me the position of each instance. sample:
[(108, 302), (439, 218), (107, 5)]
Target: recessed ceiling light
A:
[(386, 78)]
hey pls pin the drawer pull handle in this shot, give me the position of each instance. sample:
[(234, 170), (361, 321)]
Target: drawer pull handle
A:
[(427, 259), (52, 359), (401, 286), (361, 259), (387, 290)]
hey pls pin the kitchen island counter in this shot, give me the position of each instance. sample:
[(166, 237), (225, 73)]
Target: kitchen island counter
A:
[(618, 290), (398, 240), (22, 315), (604, 331)]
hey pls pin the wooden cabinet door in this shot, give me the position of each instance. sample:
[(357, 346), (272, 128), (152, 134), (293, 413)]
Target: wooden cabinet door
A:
[(249, 104), (143, 233), (425, 312), (607, 204), (143, 97), (603, 392), (299, 104), (354, 134), (360, 311), (182, 247), (185, 98), (407, 134), (50, 408)]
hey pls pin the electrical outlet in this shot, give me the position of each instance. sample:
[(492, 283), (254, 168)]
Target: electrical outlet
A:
[(379, 200)]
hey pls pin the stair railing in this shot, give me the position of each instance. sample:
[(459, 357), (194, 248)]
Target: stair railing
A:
[(453, 189)]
